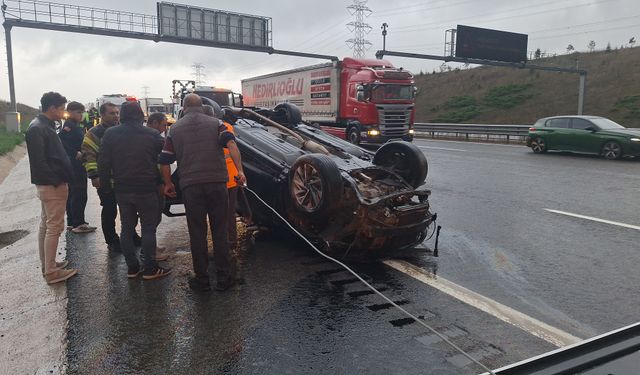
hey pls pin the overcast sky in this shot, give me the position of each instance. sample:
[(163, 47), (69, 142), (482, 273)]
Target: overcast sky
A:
[(83, 67)]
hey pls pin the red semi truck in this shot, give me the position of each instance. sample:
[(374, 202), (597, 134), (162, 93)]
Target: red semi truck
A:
[(360, 100)]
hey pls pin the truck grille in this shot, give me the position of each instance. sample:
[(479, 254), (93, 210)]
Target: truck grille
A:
[(394, 119)]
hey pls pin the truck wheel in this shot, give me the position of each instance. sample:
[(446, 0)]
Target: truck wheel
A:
[(287, 114), (315, 185), (354, 135), (404, 159)]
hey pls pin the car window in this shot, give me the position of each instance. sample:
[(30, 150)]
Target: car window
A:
[(579, 123), (558, 123)]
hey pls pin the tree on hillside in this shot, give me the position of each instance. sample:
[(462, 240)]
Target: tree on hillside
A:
[(592, 46), (570, 48), (537, 54), (608, 49), (632, 41)]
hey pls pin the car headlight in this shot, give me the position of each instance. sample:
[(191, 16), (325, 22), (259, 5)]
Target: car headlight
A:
[(635, 139), (373, 132)]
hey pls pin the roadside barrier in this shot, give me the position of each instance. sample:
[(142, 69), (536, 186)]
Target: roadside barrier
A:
[(472, 131)]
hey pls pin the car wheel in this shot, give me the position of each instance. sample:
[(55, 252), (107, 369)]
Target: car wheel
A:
[(538, 145), (354, 135), (405, 159), (612, 150), (315, 185), (287, 114)]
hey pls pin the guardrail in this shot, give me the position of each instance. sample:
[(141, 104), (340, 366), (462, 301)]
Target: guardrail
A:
[(479, 130)]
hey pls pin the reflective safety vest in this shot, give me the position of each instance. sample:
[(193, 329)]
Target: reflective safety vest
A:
[(231, 167)]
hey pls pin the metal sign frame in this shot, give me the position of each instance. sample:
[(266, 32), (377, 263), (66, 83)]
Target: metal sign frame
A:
[(36, 14)]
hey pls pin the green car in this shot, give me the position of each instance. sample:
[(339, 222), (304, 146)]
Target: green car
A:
[(585, 134)]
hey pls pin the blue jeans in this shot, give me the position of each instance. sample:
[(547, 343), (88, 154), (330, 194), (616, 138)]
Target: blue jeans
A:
[(147, 207)]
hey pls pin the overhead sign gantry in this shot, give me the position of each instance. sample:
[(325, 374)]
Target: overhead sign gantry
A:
[(174, 23)]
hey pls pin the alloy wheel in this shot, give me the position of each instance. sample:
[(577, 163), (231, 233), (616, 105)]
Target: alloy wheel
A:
[(611, 150), (538, 145), (307, 187)]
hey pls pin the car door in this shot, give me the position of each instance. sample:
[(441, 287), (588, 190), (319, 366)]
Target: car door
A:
[(558, 133), (584, 136)]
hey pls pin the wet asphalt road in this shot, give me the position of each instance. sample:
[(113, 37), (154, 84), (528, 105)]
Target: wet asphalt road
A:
[(298, 313)]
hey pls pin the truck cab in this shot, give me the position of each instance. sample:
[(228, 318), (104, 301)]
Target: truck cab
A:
[(379, 103)]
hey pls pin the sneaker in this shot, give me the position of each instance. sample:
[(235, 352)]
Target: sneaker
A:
[(199, 286), (156, 273), (89, 226), (60, 265), (83, 228), (160, 256), (60, 275), (132, 273)]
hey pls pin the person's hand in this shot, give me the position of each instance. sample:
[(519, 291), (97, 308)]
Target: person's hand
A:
[(170, 190), (95, 182), (241, 179), (79, 155)]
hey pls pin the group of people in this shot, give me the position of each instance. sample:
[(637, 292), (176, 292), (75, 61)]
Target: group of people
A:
[(129, 164)]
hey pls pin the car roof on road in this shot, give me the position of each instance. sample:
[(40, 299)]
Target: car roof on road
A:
[(572, 116)]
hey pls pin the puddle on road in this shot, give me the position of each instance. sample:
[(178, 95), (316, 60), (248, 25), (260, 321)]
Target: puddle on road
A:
[(9, 238)]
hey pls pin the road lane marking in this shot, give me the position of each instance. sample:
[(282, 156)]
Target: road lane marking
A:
[(636, 227), (443, 148), (531, 325)]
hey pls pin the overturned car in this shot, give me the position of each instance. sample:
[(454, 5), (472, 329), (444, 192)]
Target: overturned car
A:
[(330, 190)]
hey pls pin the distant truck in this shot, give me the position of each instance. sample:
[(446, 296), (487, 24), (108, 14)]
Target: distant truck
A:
[(116, 99), (359, 100), (152, 105), (224, 97)]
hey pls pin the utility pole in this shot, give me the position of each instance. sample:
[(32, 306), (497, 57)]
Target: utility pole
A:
[(358, 43), (145, 91), (198, 73)]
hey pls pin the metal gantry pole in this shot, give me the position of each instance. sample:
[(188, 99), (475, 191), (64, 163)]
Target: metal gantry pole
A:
[(12, 87)]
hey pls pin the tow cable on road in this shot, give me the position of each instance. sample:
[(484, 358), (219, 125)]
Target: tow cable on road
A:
[(416, 319)]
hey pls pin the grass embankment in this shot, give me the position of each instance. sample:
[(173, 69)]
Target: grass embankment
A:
[(9, 140), (492, 95)]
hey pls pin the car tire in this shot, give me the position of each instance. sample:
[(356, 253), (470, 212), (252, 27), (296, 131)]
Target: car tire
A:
[(315, 186), (611, 150), (287, 114), (539, 145), (354, 135), (405, 159)]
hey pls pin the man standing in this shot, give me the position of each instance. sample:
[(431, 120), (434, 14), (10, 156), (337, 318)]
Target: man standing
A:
[(50, 172), (158, 121), (196, 141), (71, 136), (109, 116), (129, 155), (232, 186)]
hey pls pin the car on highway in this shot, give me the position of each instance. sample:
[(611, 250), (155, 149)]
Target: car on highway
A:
[(584, 134), (334, 192)]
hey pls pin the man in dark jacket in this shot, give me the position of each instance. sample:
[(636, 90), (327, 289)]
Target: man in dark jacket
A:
[(196, 142), (50, 172), (109, 117), (71, 136), (129, 156)]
